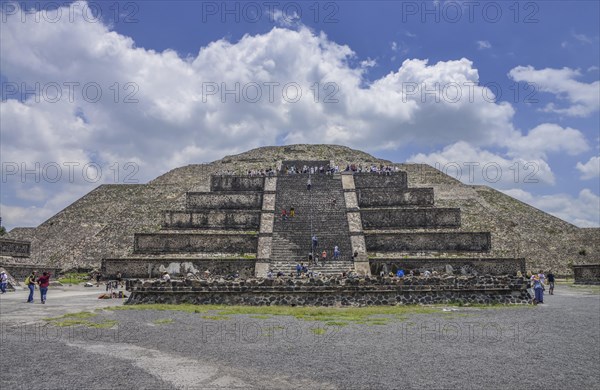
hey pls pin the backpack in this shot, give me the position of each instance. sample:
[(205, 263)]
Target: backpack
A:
[(27, 280)]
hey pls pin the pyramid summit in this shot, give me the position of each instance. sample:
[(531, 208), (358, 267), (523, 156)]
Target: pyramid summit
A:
[(226, 216)]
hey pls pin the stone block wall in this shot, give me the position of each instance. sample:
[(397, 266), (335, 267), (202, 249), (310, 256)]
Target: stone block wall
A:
[(236, 183), (14, 248), (410, 218), (382, 197), (396, 180), (159, 243), (224, 200), (21, 271), (479, 266), (153, 267), (333, 292), (212, 219), (587, 274), (430, 241)]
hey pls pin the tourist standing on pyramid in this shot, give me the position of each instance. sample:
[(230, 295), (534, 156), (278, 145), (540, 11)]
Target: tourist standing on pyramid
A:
[(308, 183), (44, 282), (336, 252)]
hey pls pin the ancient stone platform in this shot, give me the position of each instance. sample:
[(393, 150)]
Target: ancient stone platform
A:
[(379, 223)]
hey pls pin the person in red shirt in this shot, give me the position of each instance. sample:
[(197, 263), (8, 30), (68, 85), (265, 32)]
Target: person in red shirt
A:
[(44, 282)]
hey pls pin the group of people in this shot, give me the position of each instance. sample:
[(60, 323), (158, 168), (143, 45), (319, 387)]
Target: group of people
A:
[(43, 283), (538, 283), (314, 258), (285, 213), (326, 169)]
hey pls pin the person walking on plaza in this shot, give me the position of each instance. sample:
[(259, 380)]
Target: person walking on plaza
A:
[(550, 278), (44, 282), (3, 282), (30, 282)]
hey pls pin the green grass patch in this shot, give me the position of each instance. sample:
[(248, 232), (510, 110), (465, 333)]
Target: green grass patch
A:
[(333, 316), (261, 317), (163, 321), (80, 319), (318, 331), (184, 307), (216, 318), (74, 278), (336, 323), (101, 325), (81, 315)]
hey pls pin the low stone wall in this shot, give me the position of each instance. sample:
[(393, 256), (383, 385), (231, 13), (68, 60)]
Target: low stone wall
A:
[(153, 268), (212, 219), (419, 242), (236, 183), (373, 180), (14, 248), (333, 292), (479, 266), (410, 218), (587, 273), (21, 271), (158, 243), (224, 200), (381, 197)]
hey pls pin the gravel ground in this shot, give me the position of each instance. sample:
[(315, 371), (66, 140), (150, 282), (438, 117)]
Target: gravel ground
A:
[(556, 344)]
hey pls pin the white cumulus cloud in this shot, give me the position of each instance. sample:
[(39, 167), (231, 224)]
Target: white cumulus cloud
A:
[(591, 169), (583, 98)]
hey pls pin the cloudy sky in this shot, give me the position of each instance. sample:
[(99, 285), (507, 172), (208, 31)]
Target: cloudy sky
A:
[(504, 94)]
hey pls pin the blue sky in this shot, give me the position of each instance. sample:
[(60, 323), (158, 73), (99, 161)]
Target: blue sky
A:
[(165, 57)]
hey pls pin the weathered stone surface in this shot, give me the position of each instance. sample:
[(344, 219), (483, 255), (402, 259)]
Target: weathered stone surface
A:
[(334, 291), (195, 242), (152, 267), (223, 200), (410, 218), (420, 241), (21, 271), (212, 219), (370, 180), (383, 197), (236, 183), (354, 222), (102, 223), (14, 248), (587, 273), (481, 266)]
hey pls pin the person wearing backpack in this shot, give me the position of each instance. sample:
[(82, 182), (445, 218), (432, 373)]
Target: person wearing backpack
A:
[(44, 282), (30, 283)]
